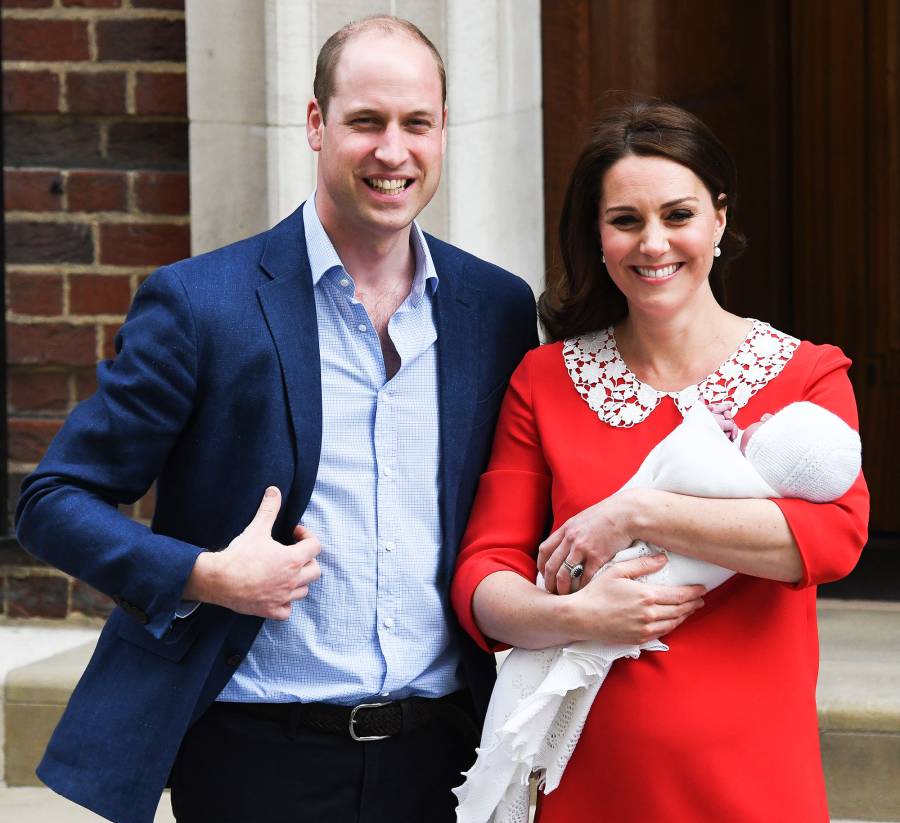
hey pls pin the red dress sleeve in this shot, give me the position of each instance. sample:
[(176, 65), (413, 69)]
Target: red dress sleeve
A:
[(830, 536), (511, 508)]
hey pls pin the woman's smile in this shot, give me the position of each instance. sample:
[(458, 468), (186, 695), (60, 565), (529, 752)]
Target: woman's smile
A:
[(657, 274)]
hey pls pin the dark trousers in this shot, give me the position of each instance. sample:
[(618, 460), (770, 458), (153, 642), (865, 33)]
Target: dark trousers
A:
[(236, 768)]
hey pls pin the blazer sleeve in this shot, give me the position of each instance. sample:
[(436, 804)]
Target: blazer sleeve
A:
[(110, 450), (510, 513), (830, 536)]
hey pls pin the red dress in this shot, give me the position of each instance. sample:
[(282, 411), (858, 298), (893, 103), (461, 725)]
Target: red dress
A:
[(723, 726)]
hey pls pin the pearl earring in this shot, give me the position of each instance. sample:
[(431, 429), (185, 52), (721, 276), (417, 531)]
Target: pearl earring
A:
[(717, 252)]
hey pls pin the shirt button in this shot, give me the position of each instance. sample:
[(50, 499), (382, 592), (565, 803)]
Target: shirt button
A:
[(389, 622), (386, 472), (345, 282), (389, 545), (362, 327)]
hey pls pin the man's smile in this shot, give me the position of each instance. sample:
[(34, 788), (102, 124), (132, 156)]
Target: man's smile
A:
[(387, 185)]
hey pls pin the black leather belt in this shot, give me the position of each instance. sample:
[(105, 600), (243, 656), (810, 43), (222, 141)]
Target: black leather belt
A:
[(364, 722)]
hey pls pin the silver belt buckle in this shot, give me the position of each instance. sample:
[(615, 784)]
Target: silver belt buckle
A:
[(365, 738)]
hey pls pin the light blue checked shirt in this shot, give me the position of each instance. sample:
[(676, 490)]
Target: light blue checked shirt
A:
[(376, 622)]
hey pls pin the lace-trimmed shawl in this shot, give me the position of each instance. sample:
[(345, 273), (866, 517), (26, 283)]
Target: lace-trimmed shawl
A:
[(620, 399)]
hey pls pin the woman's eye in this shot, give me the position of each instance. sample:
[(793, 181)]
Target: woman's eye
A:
[(680, 215), (624, 221)]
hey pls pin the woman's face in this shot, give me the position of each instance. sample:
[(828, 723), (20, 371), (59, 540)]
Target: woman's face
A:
[(658, 227)]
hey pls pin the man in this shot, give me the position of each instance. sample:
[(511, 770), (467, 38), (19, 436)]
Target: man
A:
[(352, 367)]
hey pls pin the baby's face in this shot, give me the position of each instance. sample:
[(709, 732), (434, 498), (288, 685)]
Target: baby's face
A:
[(747, 436)]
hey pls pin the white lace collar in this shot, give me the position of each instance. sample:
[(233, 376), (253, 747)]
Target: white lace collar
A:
[(620, 399)]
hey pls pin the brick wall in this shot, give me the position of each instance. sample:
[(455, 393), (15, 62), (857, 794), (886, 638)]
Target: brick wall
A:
[(96, 196)]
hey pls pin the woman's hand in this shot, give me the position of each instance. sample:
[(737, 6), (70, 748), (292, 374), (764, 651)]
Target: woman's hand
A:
[(615, 608), (590, 538)]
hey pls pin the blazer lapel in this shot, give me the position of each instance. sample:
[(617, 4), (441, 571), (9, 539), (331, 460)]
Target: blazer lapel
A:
[(289, 306), (456, 306)]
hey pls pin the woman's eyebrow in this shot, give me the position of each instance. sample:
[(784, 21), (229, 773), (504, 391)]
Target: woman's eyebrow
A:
[(666, 205), (679, 200)]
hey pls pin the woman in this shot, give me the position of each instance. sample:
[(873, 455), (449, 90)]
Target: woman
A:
[(714, 729)]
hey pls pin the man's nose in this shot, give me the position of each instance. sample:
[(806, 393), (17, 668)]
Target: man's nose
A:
[(391, 149)]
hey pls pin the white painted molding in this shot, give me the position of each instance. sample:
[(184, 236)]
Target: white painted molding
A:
[(290, 66)]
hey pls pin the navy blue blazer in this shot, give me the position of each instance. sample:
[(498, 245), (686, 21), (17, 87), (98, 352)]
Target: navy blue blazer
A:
[(215, 394)]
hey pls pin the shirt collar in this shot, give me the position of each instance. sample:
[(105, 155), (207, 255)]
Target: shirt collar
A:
[(323, 257)]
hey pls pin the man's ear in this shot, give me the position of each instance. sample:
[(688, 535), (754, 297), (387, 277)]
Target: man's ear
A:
[(315, 125), (444, 131)]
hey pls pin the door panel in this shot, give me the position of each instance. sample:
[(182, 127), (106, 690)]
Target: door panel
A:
[(846, 194)]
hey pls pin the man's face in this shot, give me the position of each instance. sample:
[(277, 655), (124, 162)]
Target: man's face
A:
[(381, 150)]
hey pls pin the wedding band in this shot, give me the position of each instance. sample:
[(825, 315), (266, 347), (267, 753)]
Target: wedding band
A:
[(574, 571)]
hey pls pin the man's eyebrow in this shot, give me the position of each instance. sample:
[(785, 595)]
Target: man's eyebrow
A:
[(428, 114), (665, 205), (361, 112)]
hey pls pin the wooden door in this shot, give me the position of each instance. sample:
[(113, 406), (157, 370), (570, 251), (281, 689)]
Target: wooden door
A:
[(704, 56), (806, 96), (845, 125)]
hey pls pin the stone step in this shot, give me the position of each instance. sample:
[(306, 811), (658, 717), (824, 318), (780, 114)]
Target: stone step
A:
[(25, 642), (859, 707), (35, 696), (29, 804), (858, 697)]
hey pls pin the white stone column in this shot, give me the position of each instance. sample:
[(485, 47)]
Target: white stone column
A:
[(250, 64), (291, 50), (494, 171), (250, 71)]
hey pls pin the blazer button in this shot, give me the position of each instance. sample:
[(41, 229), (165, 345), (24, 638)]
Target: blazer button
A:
[(234, 659)]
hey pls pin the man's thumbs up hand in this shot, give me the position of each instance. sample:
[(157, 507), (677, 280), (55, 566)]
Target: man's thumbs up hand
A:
[(264, 519), (256, 574)]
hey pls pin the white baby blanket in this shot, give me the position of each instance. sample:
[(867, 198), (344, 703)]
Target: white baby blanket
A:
[(542, 698)]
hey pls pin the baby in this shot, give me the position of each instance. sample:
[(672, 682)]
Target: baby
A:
[(542, 697), (801, 451)]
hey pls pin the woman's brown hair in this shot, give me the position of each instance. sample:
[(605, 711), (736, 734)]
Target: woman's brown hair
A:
[(583, 297)]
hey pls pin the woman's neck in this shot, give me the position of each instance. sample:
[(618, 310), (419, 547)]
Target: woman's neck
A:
[(671, 353)]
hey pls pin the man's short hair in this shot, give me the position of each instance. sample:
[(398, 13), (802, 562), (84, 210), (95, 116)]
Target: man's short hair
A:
[(330, 54)]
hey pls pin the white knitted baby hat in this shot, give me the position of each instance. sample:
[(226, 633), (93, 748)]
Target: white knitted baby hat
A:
[(806, 451)]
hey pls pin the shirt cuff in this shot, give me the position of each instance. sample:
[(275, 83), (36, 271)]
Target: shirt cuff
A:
[(186, 608)]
